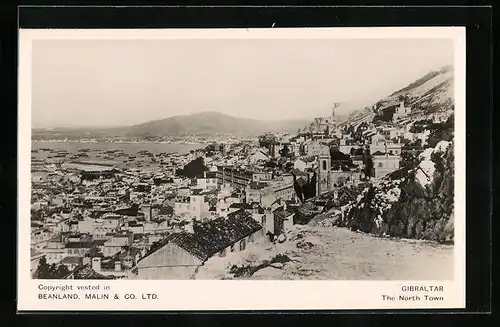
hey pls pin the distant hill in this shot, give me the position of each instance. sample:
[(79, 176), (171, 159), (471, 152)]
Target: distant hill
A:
[(209, 123), (212, 123)]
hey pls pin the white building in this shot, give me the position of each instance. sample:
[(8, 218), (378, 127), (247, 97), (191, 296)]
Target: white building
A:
[(381, 144), (199, 206), (385, 164), (114, 245), (207, 183), (182, 206), (401, 112), (86, 225)]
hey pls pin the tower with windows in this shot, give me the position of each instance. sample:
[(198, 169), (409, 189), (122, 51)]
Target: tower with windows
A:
[(324, 168)]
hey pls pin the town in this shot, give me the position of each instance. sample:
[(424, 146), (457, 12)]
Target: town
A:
[(163, 215)]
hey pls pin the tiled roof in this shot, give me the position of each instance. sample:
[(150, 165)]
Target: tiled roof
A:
[(86, 272), (78, 245), (297, 172), (99, 242), (283, 213), (216, 235), (241, 205), (257, 185)]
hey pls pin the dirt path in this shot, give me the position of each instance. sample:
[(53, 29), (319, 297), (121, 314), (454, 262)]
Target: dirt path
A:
[(337, 253), (326, 253)]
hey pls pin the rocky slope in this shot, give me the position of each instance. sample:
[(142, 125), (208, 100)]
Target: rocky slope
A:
[(415, 201), (430, 97), (412, 203)]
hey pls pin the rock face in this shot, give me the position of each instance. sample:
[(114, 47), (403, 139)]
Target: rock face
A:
[(411, 203)]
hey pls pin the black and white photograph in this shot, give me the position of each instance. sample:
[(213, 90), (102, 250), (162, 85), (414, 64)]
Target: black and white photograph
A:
[(236, 158)]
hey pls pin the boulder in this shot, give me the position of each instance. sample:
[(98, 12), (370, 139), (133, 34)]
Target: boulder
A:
[(281, 238), (277, 265), (304, 245)]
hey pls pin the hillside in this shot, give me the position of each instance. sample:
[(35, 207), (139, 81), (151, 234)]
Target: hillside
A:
[(431, 94), (410, 203), (416, 201), (212, 123)]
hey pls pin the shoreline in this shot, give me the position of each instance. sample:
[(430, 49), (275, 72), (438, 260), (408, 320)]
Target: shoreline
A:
[(118, 142)]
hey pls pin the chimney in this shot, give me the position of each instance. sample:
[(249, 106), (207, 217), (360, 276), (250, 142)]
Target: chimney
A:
[(118, 266), (96, 264), (189, 227), (269, 227)]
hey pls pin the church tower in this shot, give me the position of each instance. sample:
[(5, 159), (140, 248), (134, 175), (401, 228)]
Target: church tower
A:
[(324, 168)]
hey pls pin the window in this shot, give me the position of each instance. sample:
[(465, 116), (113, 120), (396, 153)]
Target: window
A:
[(232, 248), (324, 165), (380, 165)]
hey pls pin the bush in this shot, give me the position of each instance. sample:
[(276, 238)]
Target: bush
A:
[(193, 169), (46, 271)]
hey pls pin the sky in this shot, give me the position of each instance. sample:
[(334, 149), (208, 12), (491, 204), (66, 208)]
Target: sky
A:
[(97, 83)]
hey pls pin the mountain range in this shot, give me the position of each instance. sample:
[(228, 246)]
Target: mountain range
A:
[(208, 123), (212, 123)]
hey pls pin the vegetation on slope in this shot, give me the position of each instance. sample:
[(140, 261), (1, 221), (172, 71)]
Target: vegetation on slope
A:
[(414, 203)]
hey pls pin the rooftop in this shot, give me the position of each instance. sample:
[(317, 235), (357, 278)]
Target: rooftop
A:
[(86, 272), (282, 213), (216, 235), (71, 260), (79, 245)]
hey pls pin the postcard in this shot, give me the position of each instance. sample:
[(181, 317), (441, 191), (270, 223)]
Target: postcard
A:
[(241, 169)]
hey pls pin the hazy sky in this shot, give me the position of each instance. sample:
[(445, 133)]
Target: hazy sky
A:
[(125, 82)]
